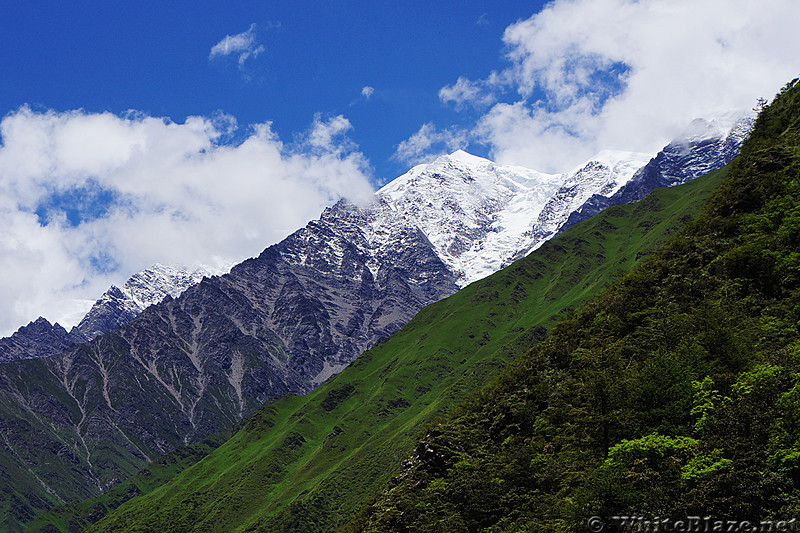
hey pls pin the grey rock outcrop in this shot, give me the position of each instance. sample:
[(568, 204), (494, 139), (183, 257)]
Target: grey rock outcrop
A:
[(40, 338)]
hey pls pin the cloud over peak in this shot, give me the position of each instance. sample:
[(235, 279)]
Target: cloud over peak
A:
[(587, 75), (87, 199)]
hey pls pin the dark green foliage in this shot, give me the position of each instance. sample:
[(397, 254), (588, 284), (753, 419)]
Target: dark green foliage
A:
[(676, 392), (337, 396), (308, 463)]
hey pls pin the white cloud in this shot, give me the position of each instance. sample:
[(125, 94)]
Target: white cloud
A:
[(328, 135), (428, 143), (175, 193), (465, 92), (628, 74), (367, 92), (242, 45)]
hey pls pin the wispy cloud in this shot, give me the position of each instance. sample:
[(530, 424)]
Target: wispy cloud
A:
[(164, 191), (364, 96), (465, 92), (328, 135), (242, 46), (483, 20), (429, 142)]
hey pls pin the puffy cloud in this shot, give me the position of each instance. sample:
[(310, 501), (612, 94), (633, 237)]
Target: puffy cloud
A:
[(428, 143), (627, 74), (243, 45), (367, 92), (146, 189)]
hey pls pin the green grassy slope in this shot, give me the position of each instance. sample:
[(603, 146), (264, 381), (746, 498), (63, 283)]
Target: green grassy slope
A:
[(78, 515), (674, 393), (40, 460), (306, 463)]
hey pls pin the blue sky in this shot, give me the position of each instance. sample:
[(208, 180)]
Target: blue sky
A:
[(317, 57), (202, 132)]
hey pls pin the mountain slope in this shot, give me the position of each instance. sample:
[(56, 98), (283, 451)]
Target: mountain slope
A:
[(305, 463), (190, 366), (77, 423), (674, 393)]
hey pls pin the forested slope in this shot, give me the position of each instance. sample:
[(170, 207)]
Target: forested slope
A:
[(674, 393)]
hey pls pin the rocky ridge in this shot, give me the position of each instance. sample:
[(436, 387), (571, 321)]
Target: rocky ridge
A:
[(116, 307), (39, 338), (705, 146)]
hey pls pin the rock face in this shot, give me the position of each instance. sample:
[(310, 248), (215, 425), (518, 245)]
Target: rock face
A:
[(352, 277), (77, 418), (40, 338)]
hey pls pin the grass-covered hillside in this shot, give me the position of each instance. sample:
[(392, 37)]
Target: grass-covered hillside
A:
[(75, 516), (674, 393), (308, 463)]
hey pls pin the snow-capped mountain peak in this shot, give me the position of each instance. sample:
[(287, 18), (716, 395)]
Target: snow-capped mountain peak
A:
[(153, 284), (467, 158), (118, 305), (473, 211), (603, 175), (607, 171)]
